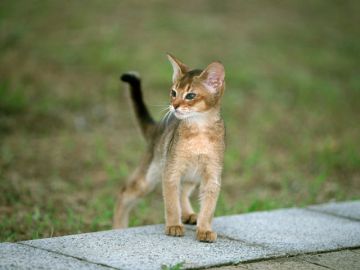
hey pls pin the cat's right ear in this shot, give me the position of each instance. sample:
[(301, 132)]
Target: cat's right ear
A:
[(179, 68), (213, 77)]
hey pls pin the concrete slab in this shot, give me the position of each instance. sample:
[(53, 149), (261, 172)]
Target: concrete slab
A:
[(148, 248), (284, 264), (241, 238), (291, 231), (278, 264), (344, 209), (345, 260), (17, 256)]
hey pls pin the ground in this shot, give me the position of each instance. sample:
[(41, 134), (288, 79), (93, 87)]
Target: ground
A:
[(68, 139)]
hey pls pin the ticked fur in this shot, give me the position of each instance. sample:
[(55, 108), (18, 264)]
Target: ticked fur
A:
[(185, 150)]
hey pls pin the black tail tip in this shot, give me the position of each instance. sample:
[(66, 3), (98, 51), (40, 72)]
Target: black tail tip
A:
[(130, 77)]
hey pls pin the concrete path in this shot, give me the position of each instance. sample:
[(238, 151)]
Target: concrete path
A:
[(336, 260), (259, 236)]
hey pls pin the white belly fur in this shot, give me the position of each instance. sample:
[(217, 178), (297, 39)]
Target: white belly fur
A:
[(192, 174), (154, 172)]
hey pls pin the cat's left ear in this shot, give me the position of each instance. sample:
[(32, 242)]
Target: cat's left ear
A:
[(213, 77), (179, 68)]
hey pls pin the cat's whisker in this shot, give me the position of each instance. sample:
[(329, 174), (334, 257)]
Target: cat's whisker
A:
[(164, 116), (167, 116), (167, 108), (159, 105)]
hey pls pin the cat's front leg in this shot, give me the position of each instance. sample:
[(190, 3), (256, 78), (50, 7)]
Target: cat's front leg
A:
[(209, 193), (171, 191)]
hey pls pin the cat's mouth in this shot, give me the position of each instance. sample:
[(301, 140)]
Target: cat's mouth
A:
[(184, 115), (180, 115)]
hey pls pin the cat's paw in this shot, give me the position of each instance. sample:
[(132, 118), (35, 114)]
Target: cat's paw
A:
[(206, 236), (177, 230), (189, 219)]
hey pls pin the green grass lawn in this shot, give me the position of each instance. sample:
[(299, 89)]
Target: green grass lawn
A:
[(68, 139)]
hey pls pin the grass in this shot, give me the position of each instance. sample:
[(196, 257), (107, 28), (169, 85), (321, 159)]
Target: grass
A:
[(177, 266), (68, 139)]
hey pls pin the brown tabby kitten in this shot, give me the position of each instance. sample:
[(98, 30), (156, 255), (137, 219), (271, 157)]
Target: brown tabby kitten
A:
[(185, 149)]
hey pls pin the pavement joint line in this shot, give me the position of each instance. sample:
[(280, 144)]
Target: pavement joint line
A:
[(250, 244), (314, 263), (301, 260), (331, 214), (215, 266), (352, 250), (284, 256), (66, 255), (245, 242)]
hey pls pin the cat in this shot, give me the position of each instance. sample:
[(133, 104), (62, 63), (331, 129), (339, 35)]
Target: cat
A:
[(185, 149)]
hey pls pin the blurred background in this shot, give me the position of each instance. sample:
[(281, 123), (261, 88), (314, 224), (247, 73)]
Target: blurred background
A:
[(68, 139)]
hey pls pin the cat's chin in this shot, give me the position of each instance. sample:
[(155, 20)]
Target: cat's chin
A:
[(181, 116), (190, 116)]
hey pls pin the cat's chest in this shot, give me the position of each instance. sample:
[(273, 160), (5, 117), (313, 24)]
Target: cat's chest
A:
[(197, 143)]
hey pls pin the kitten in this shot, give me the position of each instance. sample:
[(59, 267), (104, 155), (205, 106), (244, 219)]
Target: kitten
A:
[(185, 149)]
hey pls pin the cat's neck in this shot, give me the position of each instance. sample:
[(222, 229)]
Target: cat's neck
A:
[(203, 119)]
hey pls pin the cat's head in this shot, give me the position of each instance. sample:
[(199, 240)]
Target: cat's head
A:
[(195, 92)]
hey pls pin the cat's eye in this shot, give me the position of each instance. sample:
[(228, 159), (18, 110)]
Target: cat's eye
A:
[(190, 96), (173, 93)]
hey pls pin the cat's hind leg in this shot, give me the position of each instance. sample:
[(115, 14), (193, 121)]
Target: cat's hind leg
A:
[(137, 187), (188, 215)]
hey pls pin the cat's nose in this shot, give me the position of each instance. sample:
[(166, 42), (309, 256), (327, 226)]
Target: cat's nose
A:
[(176, 106)]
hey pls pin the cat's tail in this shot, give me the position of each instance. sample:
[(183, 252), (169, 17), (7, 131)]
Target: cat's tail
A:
[(143, 116)]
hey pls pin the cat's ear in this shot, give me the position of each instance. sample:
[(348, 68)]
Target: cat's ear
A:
[(179, 68), (213, 77)]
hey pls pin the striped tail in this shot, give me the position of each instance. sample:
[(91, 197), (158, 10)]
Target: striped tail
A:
[(143, 116)]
